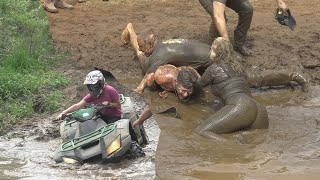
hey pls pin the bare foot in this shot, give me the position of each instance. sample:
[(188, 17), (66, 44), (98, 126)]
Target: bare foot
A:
[(125, 36)]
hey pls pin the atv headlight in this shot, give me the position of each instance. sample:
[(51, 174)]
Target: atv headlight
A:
[(114, 146), (69, 160)]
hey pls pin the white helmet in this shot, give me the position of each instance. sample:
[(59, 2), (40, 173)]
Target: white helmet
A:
[(95, 83)]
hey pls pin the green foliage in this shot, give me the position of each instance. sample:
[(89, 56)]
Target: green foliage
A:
[(54, 100), (23, 24), (26, 58)]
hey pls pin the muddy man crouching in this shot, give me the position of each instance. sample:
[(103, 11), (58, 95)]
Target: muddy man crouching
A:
[(228, 81)]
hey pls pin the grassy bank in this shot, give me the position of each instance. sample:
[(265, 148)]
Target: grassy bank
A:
[(28, 82)]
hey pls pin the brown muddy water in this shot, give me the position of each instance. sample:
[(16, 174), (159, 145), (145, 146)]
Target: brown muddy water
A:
[(289, 149)]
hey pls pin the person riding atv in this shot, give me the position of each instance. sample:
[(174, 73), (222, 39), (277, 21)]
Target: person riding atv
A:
[(85, 135), (99, 93), (102, 129)]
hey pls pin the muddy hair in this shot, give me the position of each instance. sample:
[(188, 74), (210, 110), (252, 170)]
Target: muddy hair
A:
[(147, 36), (187, 77), (226, 55)]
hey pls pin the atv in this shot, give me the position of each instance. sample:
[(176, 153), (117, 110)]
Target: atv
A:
[(85, 135)]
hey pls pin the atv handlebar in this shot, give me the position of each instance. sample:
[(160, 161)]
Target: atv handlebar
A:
[(97, 108)]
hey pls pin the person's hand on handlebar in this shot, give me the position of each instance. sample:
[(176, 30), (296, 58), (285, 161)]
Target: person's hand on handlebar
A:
[(61, 116)]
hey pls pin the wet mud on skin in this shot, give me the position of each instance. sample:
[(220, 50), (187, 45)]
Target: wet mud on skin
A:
[(289, 149)]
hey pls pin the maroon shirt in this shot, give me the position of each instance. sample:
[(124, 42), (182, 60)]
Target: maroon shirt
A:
[(108, 94)]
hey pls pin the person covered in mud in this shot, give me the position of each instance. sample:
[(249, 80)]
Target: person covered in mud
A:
[(166, 75), (177, 52), (99, 93), (216, 9), (52, 5), (172, 79), (229, 81), (183, 80)]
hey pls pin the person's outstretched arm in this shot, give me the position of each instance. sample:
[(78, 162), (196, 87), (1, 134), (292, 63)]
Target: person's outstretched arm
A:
[(147, 81), (146, 114), (282, 5), (129, 35), (219, 18), (72, 108)]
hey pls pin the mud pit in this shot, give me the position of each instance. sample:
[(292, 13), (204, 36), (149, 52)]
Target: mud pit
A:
[(288, 149)]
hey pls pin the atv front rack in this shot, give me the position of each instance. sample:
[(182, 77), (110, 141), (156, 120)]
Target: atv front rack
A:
[(88, 138)]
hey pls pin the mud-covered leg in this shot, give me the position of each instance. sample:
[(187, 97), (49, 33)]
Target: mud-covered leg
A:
[(262, 120), (276, 78), (207, 5), (245, 12), (230, 118)]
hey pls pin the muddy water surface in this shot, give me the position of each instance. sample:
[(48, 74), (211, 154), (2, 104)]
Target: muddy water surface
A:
[(289, 149)]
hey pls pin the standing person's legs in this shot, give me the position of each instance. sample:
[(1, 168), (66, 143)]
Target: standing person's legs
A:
[(245, 12), (49, 6), (213, 32), (63, 5)]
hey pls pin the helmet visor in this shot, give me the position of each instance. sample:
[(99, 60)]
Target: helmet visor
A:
[(95, 89)]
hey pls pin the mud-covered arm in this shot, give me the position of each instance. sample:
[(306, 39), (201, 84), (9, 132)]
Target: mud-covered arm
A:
[(147, 81), (134, 42), (146, 114), (72, 108), (207, 77), (219, 18)]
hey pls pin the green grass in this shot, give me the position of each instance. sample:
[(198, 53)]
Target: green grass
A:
[(26, 63)]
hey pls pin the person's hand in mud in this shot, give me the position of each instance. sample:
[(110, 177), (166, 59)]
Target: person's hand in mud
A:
[(147, 81), (138, 90), (146, 114), (164, 94)]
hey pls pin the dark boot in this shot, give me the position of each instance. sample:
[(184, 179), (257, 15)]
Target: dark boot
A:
[(277, 78), (239, 44), (245, 12)]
